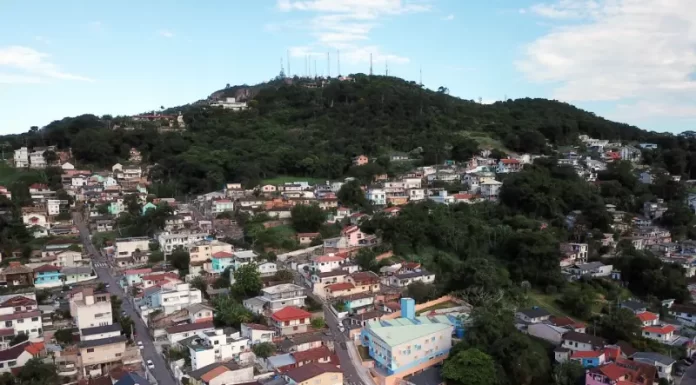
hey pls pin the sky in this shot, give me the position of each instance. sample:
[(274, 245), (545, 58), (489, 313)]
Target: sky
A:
[(632, 61)]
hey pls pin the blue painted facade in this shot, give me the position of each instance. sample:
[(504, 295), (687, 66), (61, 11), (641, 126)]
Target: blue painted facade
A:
[(587, 363), (48, 278), (220, 264)]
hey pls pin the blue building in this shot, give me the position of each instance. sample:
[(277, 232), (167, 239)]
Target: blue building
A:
[(411, 343), (48, 276)]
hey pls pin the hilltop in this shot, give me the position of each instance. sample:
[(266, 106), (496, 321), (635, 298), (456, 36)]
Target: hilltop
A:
[(292, 129)]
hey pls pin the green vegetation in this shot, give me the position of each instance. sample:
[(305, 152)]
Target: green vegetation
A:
[(283, 179)]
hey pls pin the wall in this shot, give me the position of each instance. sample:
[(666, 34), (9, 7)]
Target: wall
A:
[(101, 354), (308, 250), (443, 299)]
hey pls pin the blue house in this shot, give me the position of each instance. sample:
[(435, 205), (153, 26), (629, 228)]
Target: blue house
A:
[(589, 359), (148, 206), (47, 276)]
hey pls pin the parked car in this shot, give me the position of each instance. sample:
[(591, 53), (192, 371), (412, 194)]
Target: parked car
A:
[(140, 345), (690, 361), (150, 365)]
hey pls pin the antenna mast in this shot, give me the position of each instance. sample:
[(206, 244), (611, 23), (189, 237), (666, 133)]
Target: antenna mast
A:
[(370, 64), (386, 68), (282, 70), (328, 65), (338, 59), (315, 68), (421, 76), (289, 72)]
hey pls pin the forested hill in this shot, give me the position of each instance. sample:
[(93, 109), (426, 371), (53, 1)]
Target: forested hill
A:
[(314, 132)]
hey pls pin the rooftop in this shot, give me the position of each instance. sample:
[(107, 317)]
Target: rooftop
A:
[(102, 342), (311, 370), (101, 329), (290, 313), (397, 335), (190, 327)]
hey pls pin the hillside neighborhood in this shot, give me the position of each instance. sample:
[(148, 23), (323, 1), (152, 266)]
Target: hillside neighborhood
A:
[(287, 282)]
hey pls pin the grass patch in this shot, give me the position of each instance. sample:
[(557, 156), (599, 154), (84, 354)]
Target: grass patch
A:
[(443, 305), (484, 140), (547, 302), (289, 179)]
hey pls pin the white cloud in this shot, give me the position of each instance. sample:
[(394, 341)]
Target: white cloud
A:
[(448, 17), (166, 33), (346, 25), (616, 50), (26, 65)]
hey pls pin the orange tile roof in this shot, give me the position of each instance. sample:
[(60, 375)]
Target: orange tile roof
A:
[(328, 258), (613, 371), (664, 329), (35, 348), (214, 373), (647, 316), (290, 313), (587, 354), (223, 254), (340, 286)]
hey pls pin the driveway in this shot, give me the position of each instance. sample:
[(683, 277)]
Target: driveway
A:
[(161, 374)]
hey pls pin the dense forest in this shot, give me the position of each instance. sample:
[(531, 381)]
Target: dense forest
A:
[(293, 130)]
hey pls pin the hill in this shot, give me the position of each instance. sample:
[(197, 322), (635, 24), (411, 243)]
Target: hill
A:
[(290, 129)]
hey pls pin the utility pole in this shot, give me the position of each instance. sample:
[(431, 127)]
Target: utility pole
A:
[(370, 64), (338, 62), (328, 65)]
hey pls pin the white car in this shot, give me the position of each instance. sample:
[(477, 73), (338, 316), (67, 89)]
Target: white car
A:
[(140, 345), (150, 365), (342, 328)]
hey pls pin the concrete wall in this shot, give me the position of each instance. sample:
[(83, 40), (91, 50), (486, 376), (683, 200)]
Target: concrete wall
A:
[(419, 307)]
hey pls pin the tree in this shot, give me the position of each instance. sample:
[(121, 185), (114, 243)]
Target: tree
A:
[(283, 276), (307, 218), (199, 283), (247, 281), (127, 326), (155, 257), (318, 323), (579, 300), (352, 195), (568, 373), (620, 324), (64, 336), (421, 292), (522, 359), (19, 338), (264, 349), (103, 209), (471, 367), (180, 259), (35, 371), (366, 259), (230, 312)]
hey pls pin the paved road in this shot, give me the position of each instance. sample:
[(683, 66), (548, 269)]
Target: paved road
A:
[(161, 373), (689, 377)]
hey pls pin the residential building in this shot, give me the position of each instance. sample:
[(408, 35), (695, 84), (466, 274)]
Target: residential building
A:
[(662, 363), (98, 356), (405, 279), (171, 297), (364, 281), (589, 359), (125, 247), (491, 189), (20, 315), (267, 269), (508, 165), (100, 332), (21, 157), (648, 318), (326, 263), (358, 303), (171, 241), (533, 315), (592, 269), (17, 274), (48, 276), (314, 374), (290, 320), (207, 348), (277, 297), (219, 262), (177, 333), (575, 341), (406, 345), (222, 373), (222, 205), (572, 253), (229, 104), (660, 333), (621, 372), (360, 160), (257, 333), (15, 356), (550, 333), (90, 309), (306, 238)]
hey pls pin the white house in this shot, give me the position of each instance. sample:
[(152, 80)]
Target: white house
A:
[(325, 263), (582, 342), (257, 333), (661, 333), (662, 363), (533, 315), (377, 196)]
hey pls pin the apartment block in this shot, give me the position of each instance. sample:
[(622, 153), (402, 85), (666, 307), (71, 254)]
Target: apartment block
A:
[(90, 309)]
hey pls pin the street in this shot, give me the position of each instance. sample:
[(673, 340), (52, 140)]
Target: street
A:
[(160, 372)]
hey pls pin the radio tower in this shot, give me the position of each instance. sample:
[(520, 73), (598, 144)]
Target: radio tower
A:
[(282, 70), (370, 64), (386, 68), (421, 76), (289, 72), (328, 65)]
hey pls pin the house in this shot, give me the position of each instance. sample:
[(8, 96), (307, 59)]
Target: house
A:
[(567, 323), (99, 332), (339, 289), (35, 219), (314, 374), (100, 354), (662, 363), (222, 373), (648, 318), (277, 297), (686, 313), (177, 333), (257, 333), (222, 205), (326, 263), (360, 160), (593, 269), (206, 348), (20, 315), (267, 269), (589, 359), (508, 165), (17, 274), (660, 333), (635, 306), (491, 189), (48, 276), (358, 303), (572, 253), (128, 246), (405, 279), (306, 238), (90, 309), (377, 196), (534, 315), (550, 333), (321, 354), (290, 320), (15, 357), (621, 372), (364, 281), (575, 341)]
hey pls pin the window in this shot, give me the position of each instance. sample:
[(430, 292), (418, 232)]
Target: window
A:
[(18, 309), (118, 354), (34, 319), (20, 321), (8, 323), (216, 343), (12, 363), (90, 350), (294, 328), (2, 364)]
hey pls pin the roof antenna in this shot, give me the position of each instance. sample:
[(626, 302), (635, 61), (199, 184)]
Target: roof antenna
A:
[(370, 64), (338, 59)]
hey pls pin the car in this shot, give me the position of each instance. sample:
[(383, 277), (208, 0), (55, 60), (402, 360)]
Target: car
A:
[(689, 361), (107, 286), (679, 371), (140, 345), (150, 365), (123, 313), (342, 328)]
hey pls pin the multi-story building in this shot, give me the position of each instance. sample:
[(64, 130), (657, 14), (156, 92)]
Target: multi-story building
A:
[(290, 320), (572, 253), (222, 205), (90, 309), (219, 345), (202, 251), (257, 333), (37, 159), (407, 278), (171, 241), (171, 297), (98, 356), (277, 297), (410, 344), (377, 196), (48, 276), (21, 157), (326, 263), (20, 315), (17, 274), (125, 247), (177, 333), (223, 373)]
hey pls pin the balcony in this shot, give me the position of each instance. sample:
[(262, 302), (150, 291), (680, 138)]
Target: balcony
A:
[(67, 369)]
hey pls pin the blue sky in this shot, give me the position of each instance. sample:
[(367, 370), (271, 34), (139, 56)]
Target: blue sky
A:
[(628, 60)]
